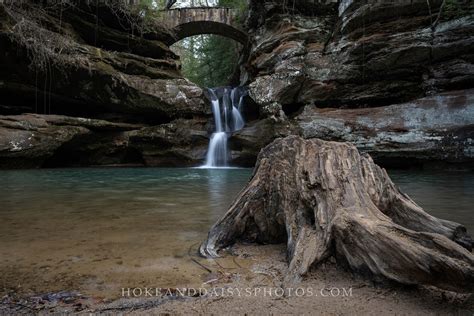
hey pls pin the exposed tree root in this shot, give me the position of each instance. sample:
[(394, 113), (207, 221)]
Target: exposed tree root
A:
[(326, 199)]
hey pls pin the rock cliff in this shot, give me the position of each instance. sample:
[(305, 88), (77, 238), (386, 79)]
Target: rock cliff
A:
[(394, 77), (102, 68), (90, 62)]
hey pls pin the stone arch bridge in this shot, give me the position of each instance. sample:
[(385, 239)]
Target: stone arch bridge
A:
[(185, 22)]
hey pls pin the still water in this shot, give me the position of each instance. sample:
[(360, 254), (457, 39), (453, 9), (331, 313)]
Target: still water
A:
[(98, 230)]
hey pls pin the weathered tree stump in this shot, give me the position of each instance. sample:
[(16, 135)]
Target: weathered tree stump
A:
[(326, 199)]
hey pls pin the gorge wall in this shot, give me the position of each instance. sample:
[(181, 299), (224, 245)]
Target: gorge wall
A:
[(393, 77), (114, 88), (87, 85)]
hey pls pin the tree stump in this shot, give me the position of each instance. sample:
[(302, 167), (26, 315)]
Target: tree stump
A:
[(326, 199)]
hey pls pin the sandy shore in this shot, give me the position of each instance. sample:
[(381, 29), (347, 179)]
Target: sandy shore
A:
[(233, 286), (334, 292)]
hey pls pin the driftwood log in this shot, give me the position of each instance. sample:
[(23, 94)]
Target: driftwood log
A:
[(326, 199)]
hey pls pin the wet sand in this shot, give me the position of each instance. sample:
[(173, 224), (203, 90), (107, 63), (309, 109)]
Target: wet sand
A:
[(251, 267), (267, 271)]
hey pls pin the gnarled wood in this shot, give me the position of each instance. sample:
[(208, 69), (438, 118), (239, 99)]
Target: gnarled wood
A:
[(326, 199)]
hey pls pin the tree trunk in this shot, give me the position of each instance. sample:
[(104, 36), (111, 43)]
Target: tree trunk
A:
[(326, 199)]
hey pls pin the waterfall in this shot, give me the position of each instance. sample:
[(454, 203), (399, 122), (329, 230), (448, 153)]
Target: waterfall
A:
[(226, 105)]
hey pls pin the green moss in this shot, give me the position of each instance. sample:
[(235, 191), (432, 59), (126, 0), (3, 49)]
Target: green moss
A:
[(454, 9), (239, 5)]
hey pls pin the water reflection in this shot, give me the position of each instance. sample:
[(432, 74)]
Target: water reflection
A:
[(221, 184), (444, 194)]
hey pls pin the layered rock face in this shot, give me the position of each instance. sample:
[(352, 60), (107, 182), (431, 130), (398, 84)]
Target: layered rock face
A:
[(95, 63), (103, 68), (425, 131), (37, 140), (394, 77)]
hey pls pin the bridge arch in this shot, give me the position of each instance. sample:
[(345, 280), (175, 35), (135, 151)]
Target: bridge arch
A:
[(186, 22)]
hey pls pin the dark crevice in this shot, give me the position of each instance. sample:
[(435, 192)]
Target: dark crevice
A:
[(133, 156), (250, 110), (292, 109), (95, 149)]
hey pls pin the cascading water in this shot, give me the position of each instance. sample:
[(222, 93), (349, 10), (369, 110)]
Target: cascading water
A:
[(226, 106)]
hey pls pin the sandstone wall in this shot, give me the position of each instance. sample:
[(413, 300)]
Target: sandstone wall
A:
[(374, 60)]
